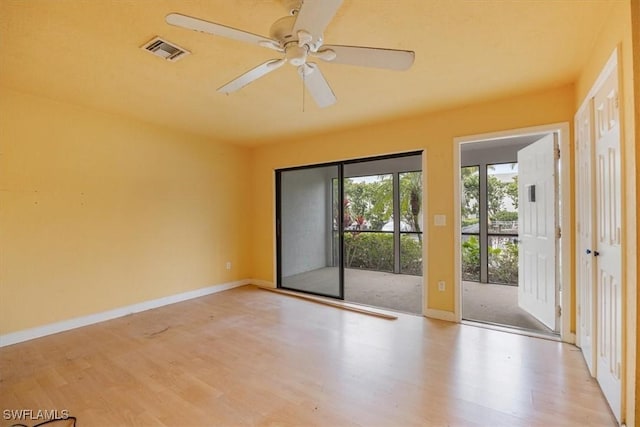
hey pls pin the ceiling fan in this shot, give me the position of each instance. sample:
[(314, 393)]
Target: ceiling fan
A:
[(299, 37)]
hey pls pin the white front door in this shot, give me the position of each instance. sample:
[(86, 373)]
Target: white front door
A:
[(585, 238), (537, 230), (608, 254)]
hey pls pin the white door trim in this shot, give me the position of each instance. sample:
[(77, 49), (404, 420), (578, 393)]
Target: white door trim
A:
[(566, 273)]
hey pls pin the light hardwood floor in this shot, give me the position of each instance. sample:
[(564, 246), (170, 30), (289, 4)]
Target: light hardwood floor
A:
[(250, 357)]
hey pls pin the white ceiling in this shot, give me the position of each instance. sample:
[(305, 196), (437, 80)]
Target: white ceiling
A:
[(87, 53), (491, 144)]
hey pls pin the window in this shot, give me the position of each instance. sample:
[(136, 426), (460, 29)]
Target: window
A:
[(368, 222), (502, 223), (411, 223), (373, 238), (490, 223), (470, 214)]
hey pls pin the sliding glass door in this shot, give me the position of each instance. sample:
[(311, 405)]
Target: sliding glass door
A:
[(308, 222), (353, 230)]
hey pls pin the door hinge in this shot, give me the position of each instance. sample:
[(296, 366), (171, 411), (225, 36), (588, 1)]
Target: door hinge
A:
[(557, 153), (558, 311), (558, 232)]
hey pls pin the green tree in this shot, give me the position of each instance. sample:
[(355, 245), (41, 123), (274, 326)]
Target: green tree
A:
[(511, 190), (470, 192), (495, 195), (370, 201), (411, 199), (496, 191)]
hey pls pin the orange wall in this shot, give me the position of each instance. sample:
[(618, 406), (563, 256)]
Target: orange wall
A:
[(432, 133), (635, 26), (99, 211)]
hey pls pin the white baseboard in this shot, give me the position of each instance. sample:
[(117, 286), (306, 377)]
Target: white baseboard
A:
[(65, 325), (262, 283), (449, 316)]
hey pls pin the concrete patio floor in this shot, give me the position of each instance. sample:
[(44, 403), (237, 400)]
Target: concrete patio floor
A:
[(490, 303), (482, 302), (398, 292)]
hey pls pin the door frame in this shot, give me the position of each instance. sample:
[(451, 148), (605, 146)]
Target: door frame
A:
[(565, 275)]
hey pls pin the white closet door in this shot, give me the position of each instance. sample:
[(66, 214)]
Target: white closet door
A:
[(585, 237), (608, 252)]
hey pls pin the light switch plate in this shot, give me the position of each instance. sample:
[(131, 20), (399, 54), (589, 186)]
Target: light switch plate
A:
[(439, 220)]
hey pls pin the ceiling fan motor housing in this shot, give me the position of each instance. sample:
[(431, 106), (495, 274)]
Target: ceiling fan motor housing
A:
[(282, 29)]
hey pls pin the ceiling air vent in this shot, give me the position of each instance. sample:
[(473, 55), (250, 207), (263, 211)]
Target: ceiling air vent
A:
[(164, 49)]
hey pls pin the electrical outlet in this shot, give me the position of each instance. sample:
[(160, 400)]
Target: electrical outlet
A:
[(441, 285), (228, 265)]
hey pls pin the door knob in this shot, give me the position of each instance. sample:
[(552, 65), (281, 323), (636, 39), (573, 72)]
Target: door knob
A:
[(596, 253), (588, 251)]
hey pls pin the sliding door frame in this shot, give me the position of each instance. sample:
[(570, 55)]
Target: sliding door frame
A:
[(279, 172), (340, 165)]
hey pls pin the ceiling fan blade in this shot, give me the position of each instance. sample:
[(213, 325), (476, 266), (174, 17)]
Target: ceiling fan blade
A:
[(391, 59), (220, 30), (252, 75), (317, 85), (314, 16)]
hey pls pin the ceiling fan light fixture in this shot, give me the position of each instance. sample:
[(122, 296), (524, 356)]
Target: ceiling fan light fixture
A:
[(296, 55)]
